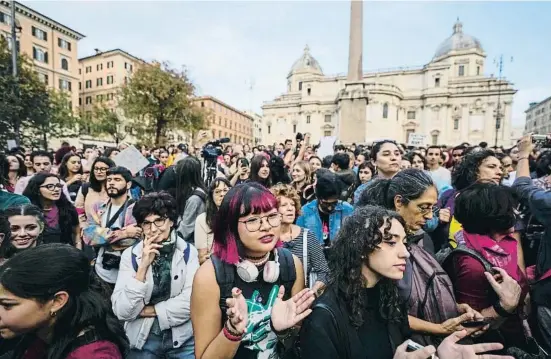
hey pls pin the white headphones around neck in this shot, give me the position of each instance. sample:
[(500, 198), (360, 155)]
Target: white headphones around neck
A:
[(248, 271)]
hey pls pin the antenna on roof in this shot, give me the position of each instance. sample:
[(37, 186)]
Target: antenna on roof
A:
[(98, 51)]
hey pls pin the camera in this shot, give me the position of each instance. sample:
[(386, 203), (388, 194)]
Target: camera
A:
[(210, 149)]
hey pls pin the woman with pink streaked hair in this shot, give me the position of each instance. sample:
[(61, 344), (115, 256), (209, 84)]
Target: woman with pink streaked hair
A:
[(251, 293)]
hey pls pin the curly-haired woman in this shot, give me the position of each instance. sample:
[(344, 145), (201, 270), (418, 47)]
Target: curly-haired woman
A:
[(360, 314)]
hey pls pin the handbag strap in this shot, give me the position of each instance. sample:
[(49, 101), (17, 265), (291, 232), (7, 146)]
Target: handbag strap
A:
[(305, 256)]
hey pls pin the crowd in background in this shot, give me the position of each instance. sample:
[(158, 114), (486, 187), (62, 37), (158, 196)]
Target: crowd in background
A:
[(282, 254)]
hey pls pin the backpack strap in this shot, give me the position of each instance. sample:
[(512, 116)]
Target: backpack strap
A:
[(342, 333), (463, 249), (201, 195), (287, 270), (225, 277)]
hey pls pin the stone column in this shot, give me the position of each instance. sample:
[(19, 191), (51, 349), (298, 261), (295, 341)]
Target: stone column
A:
[(353, 98), (355, 72)]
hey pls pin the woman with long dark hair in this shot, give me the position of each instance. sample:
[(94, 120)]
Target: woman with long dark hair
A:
[(17, 170), (94, 191), (26, 225), (386, 158), (251, 291), (51, 298), (190, 195), (412, 194), (260, 171), (361, 314), (62, 225), (204, 238), (70, 170), (366, 172)]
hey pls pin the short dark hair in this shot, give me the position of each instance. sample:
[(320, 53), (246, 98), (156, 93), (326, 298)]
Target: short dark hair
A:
[(483, 144), (340, 148), (342, 160), (42, 153), (543, 164), (119, 170), (326, 162), (159, 203), (328, 186), (436, 147), (460, 147), (288, 140), (485, 208)]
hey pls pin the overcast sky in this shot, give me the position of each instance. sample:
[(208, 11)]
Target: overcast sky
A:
[(226, 45)]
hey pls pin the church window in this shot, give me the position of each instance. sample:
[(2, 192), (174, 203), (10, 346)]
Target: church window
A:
[(327, 133), (294, 128), (385, 110), (461, 70), (437, 82), (435, 139), (456, 124), (300, 86), (308, 119), (478, 70), (269, 129), (309, 91), (411, 115), (327, 118)]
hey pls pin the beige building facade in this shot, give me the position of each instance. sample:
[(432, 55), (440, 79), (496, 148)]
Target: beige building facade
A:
[(449, 100), (538, 117), (100, 78), (51, 47), (227, 121)]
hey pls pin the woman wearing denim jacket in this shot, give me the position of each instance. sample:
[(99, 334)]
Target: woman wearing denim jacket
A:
[(153, 289)]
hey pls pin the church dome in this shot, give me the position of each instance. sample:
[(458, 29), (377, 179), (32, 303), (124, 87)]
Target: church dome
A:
[(458, 41), (306, 63)]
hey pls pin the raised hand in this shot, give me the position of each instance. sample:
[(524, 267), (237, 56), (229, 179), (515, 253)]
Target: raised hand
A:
[(150, 251), (449, 349), (237, 311), (286, 314)]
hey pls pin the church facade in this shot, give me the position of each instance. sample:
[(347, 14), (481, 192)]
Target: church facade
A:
[(448, 101)]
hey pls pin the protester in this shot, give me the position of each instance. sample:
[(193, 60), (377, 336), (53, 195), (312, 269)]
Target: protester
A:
[(95, 190), (52, 300), (70, 170), (386, 158), (153, 289), (61, 217), (8, 199), (247, 267), (17, 170), (302, 180), (26, 224), (204, 238), (260, 171)]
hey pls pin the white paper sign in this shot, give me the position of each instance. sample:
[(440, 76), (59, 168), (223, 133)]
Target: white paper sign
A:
[(327, 145), (132, 159), (416, 140), (11, 144)]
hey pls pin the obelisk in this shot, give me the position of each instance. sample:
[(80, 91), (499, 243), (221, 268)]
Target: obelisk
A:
[(352, 99)]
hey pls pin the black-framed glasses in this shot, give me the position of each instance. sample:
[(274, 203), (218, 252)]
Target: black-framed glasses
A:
[(254, 224), (101, 169), (52, 187), (159, 222)]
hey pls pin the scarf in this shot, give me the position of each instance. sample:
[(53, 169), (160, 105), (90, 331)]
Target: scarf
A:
[(161, 268), (502, 254)]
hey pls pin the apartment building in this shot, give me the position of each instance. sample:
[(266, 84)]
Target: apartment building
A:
[(538, 117), (100, 77), (227, 121), (51, 46)]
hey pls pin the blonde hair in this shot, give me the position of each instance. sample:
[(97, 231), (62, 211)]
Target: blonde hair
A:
[(305, 166), (285, 190)]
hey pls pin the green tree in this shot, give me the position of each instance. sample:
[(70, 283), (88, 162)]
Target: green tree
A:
[(29, 111), (106, 122), (158, 99)]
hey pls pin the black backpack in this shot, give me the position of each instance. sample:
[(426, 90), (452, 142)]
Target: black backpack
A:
[(225, 275)]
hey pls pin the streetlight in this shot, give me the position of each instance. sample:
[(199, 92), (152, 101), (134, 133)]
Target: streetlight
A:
[(499, 64)]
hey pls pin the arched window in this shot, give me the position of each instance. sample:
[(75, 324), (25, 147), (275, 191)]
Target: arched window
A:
[(385, 110), (64, 64), (456, 123)]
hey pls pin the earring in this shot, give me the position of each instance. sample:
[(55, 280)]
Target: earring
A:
[(53, 314)]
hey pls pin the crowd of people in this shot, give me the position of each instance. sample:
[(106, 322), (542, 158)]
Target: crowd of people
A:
[(375, 252)]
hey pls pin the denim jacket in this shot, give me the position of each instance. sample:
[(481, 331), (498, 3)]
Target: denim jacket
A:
[(311, 220)]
